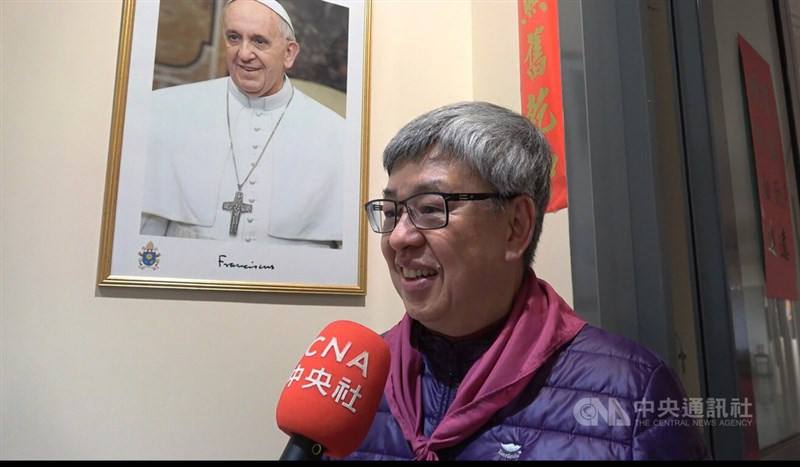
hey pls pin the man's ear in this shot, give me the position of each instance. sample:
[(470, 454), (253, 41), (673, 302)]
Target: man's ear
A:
[(292, 50), (522, 221)]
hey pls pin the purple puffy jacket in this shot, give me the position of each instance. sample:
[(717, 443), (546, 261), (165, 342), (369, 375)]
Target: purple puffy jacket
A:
[(580, 405)]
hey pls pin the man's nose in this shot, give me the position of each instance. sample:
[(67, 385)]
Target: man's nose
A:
[(246, 50), (405, 233)]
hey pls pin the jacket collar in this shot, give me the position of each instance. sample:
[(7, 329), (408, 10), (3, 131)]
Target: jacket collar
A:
[(450, 359)]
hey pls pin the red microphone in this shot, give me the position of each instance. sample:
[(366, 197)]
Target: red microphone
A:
[(332, 395)]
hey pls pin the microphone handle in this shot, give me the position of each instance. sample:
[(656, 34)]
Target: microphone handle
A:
[(300, 448)]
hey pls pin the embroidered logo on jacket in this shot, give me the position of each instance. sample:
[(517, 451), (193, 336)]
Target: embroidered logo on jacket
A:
[(509, 451)]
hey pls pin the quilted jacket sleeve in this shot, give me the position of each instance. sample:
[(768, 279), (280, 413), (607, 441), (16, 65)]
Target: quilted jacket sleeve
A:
[(662, 430)]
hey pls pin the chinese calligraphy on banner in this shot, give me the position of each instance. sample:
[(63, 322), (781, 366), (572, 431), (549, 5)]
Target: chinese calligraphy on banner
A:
[(776, 214), (540, 84)]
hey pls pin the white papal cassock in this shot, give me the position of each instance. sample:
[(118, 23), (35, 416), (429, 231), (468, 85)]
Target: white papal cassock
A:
[(295, 190)]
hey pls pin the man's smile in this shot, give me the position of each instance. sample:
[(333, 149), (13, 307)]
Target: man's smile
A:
[(413, 273), (248, 68)]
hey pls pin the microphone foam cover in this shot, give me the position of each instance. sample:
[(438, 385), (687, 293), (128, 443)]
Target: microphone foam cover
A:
[(333, 393)]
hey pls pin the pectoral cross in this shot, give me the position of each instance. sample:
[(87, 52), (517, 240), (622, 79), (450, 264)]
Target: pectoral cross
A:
[(236, 207)]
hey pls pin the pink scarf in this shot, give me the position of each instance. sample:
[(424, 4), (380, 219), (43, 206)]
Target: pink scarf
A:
[(540, 322)]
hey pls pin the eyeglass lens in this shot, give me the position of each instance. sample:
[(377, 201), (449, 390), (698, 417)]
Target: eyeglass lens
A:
[(426, 210)]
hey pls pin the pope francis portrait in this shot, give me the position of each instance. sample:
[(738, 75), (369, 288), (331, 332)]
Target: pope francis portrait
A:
[(247, 157)]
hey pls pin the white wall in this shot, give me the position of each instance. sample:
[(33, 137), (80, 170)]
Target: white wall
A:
[(135, 374)]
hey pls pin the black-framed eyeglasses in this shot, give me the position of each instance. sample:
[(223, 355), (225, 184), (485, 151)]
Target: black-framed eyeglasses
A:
[(427, 211)]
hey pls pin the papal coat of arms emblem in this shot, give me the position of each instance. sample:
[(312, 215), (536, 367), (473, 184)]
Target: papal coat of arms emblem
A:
[(149, 257)]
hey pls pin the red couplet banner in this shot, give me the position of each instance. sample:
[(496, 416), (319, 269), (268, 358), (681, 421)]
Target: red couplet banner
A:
[(780, 263), (540, 84)]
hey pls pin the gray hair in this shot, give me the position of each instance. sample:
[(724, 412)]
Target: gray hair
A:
[(286, 30), (502, 146)]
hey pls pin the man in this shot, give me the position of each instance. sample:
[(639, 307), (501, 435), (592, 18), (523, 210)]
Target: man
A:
[(489, 363), (247, 157)]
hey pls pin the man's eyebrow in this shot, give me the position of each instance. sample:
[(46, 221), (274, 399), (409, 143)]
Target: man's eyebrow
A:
[(421, 188)]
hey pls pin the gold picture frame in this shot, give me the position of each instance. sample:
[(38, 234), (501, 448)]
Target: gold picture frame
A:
[(131, 256)]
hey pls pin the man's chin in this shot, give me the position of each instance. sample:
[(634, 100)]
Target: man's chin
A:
[(251, 89), (422, 312)]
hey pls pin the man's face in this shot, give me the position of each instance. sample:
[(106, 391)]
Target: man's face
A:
[(446, 276), (257, 54)]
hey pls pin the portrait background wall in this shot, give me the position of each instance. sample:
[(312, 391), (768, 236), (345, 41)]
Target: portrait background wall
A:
[(335, 71), (189, 47)]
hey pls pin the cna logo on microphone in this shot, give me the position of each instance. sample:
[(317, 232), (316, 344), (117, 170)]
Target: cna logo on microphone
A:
[(334, 390), (345, 392)]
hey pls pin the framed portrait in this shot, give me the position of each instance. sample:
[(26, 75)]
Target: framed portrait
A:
[(238, 148)]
